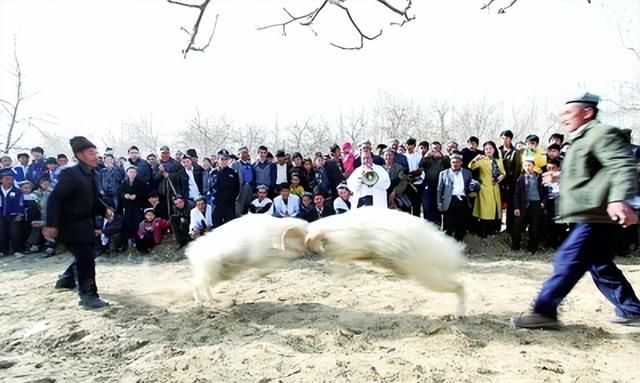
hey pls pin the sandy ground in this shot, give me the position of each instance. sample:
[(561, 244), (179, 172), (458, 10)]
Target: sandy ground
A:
[(309, 323)]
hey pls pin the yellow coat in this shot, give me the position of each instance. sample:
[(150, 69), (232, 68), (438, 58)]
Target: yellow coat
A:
[(488, 204)]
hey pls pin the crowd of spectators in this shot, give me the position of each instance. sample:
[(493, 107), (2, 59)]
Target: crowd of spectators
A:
[(480, 189)]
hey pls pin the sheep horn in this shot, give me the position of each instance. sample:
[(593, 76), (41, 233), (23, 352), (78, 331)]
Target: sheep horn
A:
[(291, 231)]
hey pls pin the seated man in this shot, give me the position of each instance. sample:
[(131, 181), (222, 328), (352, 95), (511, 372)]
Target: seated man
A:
[(342, 203), (110, 238), (181, 220), (286, 204), (306, 204), (262, 204), (151, 231), (319, 209), (200, 218)]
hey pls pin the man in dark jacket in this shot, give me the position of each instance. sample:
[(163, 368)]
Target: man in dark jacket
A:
[(143, 168), (318, 210), (225, 187), (37, 167), (71, 211), (597, 183)]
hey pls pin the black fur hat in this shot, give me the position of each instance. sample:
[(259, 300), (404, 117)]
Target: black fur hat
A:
[(80, 143)]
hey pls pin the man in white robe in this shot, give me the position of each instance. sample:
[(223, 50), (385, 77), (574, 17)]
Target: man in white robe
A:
[(367, 194), (286, 204), (200, 218)]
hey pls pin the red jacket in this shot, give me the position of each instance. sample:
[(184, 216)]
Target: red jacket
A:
[(158, 226)]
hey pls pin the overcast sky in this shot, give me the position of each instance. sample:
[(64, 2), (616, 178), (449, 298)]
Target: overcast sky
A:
[(97, 62)]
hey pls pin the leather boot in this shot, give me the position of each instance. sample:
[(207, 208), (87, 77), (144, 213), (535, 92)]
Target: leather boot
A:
[(66, 282), (92, 302)]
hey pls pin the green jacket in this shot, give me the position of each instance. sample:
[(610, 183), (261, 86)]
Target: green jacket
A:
[(597, 170)]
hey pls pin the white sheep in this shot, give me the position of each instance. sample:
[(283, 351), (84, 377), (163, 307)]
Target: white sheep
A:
[(409, 246), (252, 241)]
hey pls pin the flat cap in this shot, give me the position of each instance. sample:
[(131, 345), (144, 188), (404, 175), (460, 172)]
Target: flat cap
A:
[(585, 98)]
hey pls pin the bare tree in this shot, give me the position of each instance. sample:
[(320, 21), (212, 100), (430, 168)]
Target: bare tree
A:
[(11, 109), (479, 119), (250, 136), (400, 118), (354, 129), (442, 109), (139, 132), (306, 19), (206, 135), (507, 4), (193, 34)]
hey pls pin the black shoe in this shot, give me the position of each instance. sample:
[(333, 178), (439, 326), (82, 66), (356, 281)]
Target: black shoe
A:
[(92, 302), (536, 321), (65, 282)]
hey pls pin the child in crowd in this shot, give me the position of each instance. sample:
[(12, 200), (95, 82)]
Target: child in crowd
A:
[(262, 204), (43, 192), (528, 207), (32, 215), (296, 187), (150, 231), (11, 214)]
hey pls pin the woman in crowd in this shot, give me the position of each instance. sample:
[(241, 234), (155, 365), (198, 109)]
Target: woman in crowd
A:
[(487, 206)]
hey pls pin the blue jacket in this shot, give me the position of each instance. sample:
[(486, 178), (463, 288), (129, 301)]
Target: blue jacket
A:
[(109, 180), (143, 168), (20, 174), (13, 204), (35, 171)]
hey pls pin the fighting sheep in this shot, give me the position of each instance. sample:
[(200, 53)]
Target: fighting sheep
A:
[(253, 241), (409, 246)]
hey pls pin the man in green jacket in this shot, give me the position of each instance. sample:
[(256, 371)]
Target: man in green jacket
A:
[(598, 179)]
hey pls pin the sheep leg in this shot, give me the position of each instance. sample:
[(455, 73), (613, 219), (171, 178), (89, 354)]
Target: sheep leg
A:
[(445, 286)]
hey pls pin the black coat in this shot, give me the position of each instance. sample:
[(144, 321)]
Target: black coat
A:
[(313, 215), (139, 188), (227, 186), (73, 205), (334, 174)]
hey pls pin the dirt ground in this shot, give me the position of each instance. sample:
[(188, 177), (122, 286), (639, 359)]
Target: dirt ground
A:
[(309, 323)]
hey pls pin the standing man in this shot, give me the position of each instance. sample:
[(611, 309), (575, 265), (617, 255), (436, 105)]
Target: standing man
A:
[(452, 197), (247, 180), (20, 169), (416, 176), (512, 160), (71, 211), (369, 183), (598, 178), (225, 187), (37, 167), (433, 163)]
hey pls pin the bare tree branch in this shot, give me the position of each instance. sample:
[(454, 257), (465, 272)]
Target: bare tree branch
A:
[(308, 19), (362, 35), (503, 10), (196, 27)]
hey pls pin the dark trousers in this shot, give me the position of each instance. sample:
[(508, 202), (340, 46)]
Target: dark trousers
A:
[(530, 216), (223, 214), (456, 218), (430, 203), (509, 194), (555, 232), (146, 243), (180, 227), (414, 196), (10, 234), (83, 269), (588, 248)]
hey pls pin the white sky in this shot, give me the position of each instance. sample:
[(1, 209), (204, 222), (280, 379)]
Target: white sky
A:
[(97, 62)]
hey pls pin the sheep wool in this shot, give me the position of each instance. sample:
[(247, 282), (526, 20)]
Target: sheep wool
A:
[(253, 241), (409, 246)]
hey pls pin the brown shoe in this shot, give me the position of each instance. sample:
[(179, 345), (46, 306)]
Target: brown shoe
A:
[(536, 321)]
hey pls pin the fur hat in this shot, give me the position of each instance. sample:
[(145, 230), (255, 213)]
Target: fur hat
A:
[(80, 143), (192, 153)]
